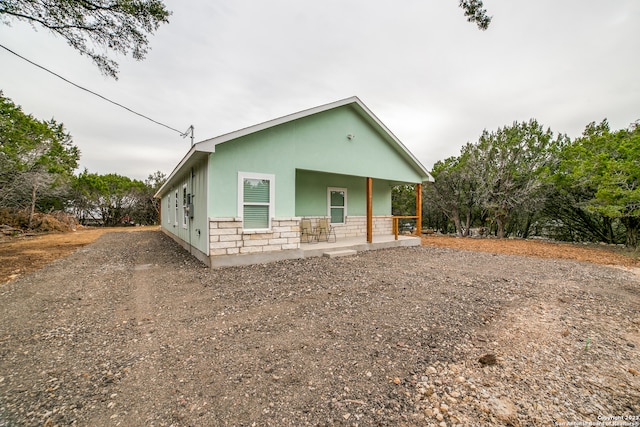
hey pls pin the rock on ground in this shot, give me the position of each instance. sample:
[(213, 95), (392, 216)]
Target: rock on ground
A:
[(132, 331)]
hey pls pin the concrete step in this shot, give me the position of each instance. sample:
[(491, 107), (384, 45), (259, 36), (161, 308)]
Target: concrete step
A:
[(335, 254)]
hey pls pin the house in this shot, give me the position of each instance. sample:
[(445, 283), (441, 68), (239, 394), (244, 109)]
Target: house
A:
[(239, 198)]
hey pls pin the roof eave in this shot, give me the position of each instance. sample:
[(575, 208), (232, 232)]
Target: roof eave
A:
[(209, 145), (193, 154)]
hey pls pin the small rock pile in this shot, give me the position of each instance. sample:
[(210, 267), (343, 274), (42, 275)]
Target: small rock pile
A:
[(449, 394)]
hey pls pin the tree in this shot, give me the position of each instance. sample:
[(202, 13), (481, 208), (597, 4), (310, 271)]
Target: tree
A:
[(453, 191), (107, 199), (403, 200), (37, 158), (512, 164), (403, 203), (113, 200), (606, 165), (474, 11), (565, 216), (147, 208), (94, 27)]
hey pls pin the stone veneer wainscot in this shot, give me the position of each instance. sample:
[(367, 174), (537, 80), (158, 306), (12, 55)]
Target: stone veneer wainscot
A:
[(226, 236)]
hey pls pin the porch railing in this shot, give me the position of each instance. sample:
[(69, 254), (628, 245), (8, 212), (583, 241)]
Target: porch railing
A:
[(396, 220)]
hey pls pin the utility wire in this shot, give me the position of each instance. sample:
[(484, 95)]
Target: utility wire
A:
[(182, 134)]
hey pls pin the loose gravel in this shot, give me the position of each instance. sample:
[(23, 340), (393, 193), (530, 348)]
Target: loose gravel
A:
[(132, 331)]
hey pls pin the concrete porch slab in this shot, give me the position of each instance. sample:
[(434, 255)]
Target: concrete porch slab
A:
[(358, 244)]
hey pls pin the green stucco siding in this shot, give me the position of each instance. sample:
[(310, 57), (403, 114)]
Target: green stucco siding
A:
[(195, 231), (314, 143), (311, 194)]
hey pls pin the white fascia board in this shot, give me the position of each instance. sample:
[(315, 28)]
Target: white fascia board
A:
[(185, 160)]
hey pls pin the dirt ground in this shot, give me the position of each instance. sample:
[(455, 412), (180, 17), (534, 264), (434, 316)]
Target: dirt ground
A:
[(130, 330), (594, 253), (22, 255)]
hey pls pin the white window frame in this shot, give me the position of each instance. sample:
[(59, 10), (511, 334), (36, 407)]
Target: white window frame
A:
[(329, 190), (176, 208), (184, 206), (169, 208), (272, 194)]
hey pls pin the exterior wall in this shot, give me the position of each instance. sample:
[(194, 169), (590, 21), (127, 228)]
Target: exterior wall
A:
[(194, 234), (228, 240), (356, 226), (305, 157), (314, 143), (311, 194), (226, 237)]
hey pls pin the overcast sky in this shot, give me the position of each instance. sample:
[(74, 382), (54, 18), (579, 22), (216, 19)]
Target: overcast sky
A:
[(432, 78)]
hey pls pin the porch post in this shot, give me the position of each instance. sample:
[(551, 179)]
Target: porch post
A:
[(419, 209), (369, 210)]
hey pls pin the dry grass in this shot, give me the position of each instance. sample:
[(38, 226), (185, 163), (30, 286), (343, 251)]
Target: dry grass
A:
[(597, 254), (23, 254)]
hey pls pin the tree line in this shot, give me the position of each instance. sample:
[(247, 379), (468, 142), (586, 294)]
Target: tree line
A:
[(523, 180), (37, 164)]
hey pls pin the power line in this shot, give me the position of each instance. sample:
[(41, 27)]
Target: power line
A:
[(182, 134)]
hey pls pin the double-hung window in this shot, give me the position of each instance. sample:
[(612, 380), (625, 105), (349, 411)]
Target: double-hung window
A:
[(337, 202), (256, 200)]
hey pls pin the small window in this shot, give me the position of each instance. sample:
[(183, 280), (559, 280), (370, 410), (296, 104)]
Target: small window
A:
[(169, 208), (256, 200), (184, 206), (337, 202), (176, 205)]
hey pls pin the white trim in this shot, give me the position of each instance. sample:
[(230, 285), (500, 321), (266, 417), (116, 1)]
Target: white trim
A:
[(344, 216), (272, 194)]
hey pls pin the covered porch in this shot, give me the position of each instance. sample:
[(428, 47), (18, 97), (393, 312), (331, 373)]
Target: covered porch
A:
[(356, 206)]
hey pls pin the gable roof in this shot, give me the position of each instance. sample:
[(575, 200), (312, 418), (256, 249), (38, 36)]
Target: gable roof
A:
[(203, 148)]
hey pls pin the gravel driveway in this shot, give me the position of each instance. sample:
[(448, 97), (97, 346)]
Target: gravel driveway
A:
[(132, 331)]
